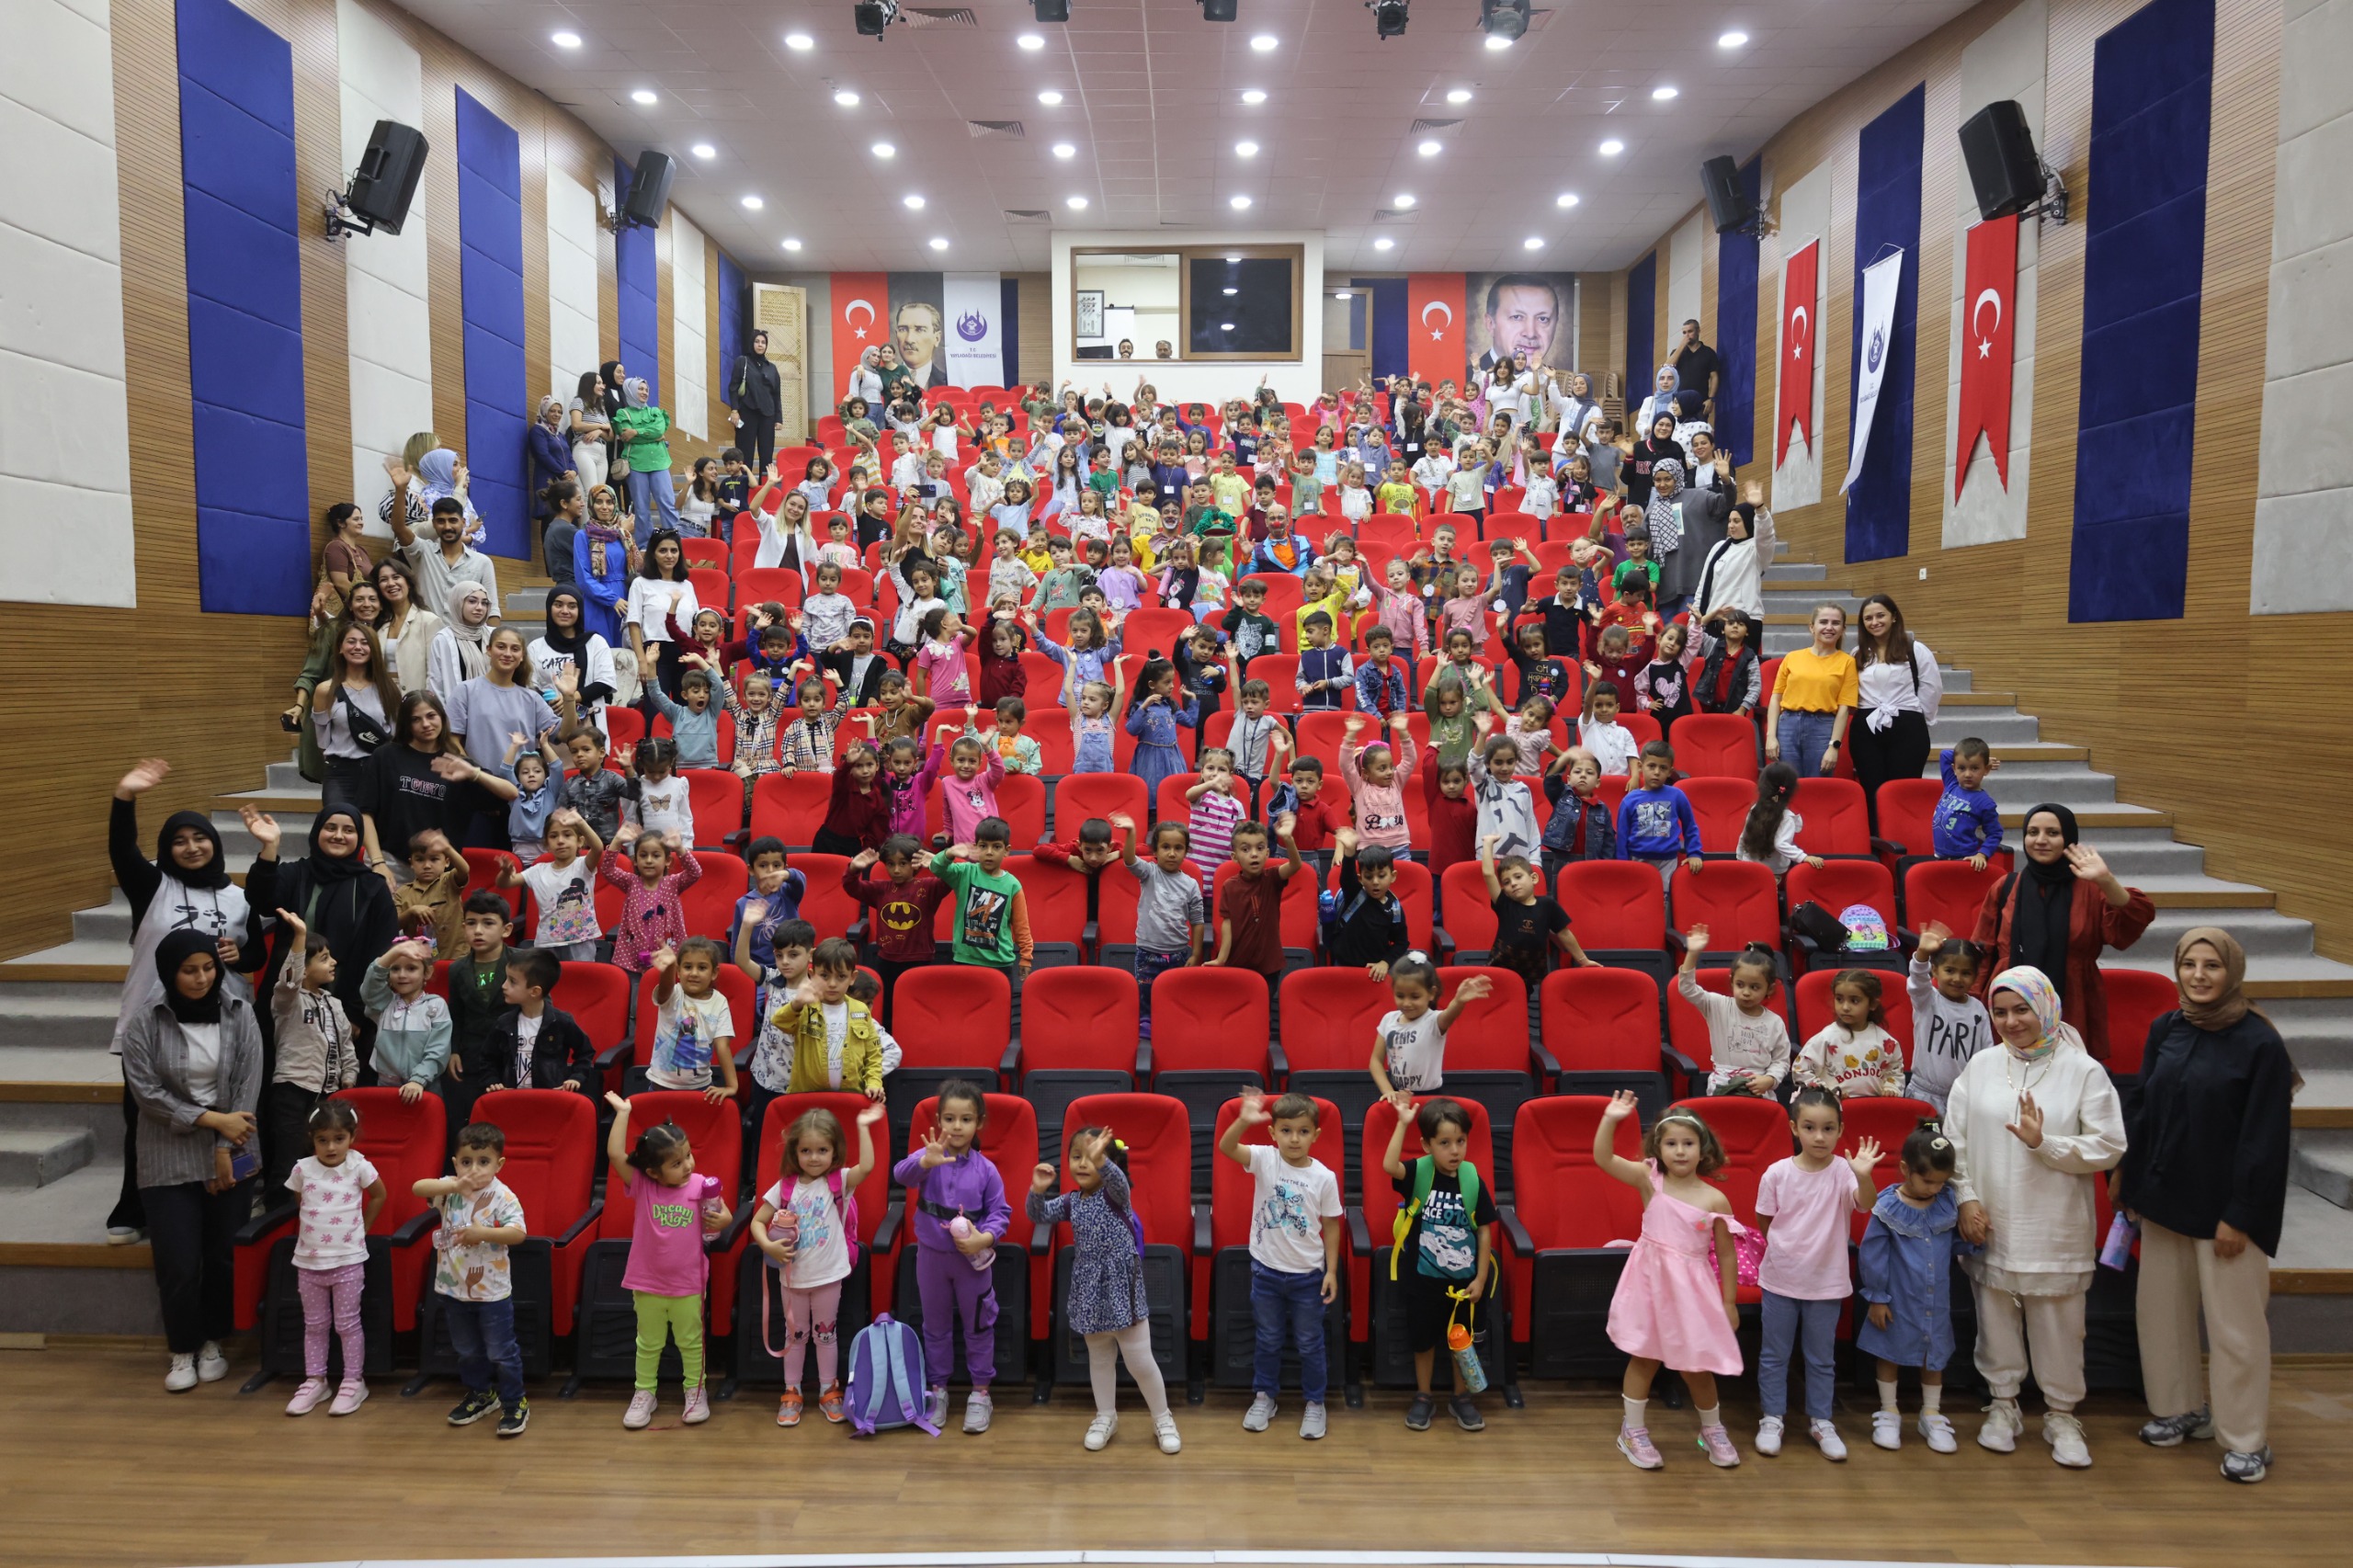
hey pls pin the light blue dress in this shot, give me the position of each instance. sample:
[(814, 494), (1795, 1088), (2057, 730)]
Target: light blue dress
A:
[(1906, 1259), (1155, 727)]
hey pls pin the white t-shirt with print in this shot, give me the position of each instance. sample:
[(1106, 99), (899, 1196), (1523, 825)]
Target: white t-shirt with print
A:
[(476, 1271), (1288, 1207), (333, 1227), (1413, 1050), (564, 899), (820, 1248)]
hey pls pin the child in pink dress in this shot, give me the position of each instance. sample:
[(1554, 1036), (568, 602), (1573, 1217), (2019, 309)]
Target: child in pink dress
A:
[(1676, 1304)]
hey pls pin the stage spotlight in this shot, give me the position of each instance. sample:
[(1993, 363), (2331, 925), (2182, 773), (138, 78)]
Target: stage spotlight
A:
[(1506, 19), (1388, 17)]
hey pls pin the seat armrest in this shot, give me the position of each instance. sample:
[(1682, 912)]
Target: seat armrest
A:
[(887, 1232), (416, 1227), (1010, 1065), (613, 1056), (1042, 1240), (1143, 1062), (1887, 846), (857, 932), (744, 1058), (1360, 1233), (578, 1228), (1444, 941), (738, 1224), (279, 1213), (1547, 1067), (1683, 1064), (1278, 1064), (1522, 1244), (1200, 1230)]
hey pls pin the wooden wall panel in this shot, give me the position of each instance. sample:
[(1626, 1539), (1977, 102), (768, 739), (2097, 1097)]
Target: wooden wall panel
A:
[(2193, 715), (204, 690)]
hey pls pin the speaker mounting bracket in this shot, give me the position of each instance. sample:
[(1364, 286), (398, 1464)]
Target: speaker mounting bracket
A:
[(341, 219), (2054, 204)]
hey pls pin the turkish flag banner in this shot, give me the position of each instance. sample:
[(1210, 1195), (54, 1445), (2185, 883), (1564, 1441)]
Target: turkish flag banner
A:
[(1799, 276), (1434, 335), (861, 321), (1989, 301)]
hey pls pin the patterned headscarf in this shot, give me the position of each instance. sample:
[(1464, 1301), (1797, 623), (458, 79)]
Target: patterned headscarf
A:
[(2035, 987), (1664, 520)]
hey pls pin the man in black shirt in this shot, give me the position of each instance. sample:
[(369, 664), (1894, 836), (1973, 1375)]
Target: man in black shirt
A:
[(1696, 366)]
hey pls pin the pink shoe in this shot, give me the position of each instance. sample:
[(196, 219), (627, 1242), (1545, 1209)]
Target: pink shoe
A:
[(640, 1413), (306, 1398), (1718, 1444), (1635, 1443), (349, 1397), (698, 1409)]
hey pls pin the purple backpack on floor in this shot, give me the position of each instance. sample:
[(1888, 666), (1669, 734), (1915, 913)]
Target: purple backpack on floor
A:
[(886, 1379)]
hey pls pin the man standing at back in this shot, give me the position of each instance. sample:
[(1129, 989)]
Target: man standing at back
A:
[(755, 400), (1696, 365)]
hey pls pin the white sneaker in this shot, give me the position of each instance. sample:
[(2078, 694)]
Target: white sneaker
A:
[(1310, 1422), (124, 1235), (1098, 1433), (182, 1377), (978, 1410), (934, 1406), (2003, 1425), (1163, 1432), (1825, 1437), (1260, 1414), (1887, 1429), (2066, 1436), (1939, 1431), (1768, 1435), (640, 1413), (211, 1365)]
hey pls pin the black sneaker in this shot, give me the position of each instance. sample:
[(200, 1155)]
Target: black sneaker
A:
[(1417, 1415), (512, 1422), (477, 1404), (1466, 1414)]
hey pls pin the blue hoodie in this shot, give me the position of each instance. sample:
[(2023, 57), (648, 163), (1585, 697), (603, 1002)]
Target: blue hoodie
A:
[(1657, 824)]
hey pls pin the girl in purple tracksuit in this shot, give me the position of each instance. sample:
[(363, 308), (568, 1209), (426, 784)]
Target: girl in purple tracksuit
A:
[(961, 1213)]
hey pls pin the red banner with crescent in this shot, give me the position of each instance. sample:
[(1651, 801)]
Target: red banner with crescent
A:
[(861, 321), (1433, 338), (1795, 401), (1989, 301)]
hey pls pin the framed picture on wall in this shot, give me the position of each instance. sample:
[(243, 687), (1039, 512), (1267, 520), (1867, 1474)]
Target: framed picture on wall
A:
[(1090, 312)]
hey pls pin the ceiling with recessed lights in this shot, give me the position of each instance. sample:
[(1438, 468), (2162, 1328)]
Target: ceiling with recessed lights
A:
[(967, 134)]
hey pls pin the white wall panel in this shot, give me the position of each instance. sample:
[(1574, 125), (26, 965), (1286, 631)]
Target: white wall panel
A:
[(1686, 251), (572, 245), (391, 343), (689, 366)]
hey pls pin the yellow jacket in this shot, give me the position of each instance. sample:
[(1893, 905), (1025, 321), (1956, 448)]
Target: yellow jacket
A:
[(861, 1049)]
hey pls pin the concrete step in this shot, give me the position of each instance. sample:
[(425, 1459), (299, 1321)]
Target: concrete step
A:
[(2319, 1036), (2000, 727), (1805, 599), (1786, 571), (2264, 932), (2140, 855), (2314, 1233), (2269, 976), (2027, 784), (2208, 895), (108, 922), (91, 1066), (2321, 1162), (2022, 751), (59, 1017), (35, 1156), (526, 602), (94, 963), (286, 776)]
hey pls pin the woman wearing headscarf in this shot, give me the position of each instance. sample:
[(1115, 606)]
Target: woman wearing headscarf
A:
[(642, 431), (567, 643), (439, 474), (1655, 444), (613, 381), (2056, 913), (192, 1064), (1731, 574), (185, 888), (2032, 1124), (601, 561), (1684, 524), (866, 381), (460, 651), (550, 453), (2206, 1174), (335, 890), (1662, 401)]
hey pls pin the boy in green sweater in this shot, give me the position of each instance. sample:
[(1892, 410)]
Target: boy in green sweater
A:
[(992, 915)]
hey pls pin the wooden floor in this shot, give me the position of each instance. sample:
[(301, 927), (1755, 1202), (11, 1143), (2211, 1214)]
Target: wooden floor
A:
[(98, 1465)]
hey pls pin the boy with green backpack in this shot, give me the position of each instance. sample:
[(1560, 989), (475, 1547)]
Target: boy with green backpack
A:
[(1444, 1228)]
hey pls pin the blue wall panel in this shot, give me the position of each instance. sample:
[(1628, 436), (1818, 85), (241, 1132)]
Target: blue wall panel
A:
[(1641, 335), (1009, 295), (248, 435), (490, 284), (1887, 215), (1735, 332), (2145, 262), (1390, 333), (636, 287), (734, 321)]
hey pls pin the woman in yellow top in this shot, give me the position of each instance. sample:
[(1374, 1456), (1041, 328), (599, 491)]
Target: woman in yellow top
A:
[(1813, 698)]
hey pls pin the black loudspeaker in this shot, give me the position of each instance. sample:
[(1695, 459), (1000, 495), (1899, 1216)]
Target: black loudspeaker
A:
[(648, 190), (1728, 205), (386, 181), (2003, 169)]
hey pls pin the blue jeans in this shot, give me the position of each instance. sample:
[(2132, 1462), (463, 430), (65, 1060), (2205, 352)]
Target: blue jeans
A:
[(1292, 1301), (646, 497), (1807, 1327), (484, 1333), (1804, 738)]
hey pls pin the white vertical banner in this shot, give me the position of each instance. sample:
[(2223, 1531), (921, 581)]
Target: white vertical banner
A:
[(1877, 328), (973, 331)]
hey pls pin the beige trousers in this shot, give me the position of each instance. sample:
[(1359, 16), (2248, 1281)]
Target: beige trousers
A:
[(2051, 1326), (2177, 1276)]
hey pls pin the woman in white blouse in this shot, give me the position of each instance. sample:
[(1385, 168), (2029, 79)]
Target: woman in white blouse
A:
[(405, 628), (663, 592), (2033, 1122), (1901, 688)]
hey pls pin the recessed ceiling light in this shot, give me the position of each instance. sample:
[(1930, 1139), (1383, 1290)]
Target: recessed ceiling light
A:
[(1340, 294), (1661, 94), (1254, 96), (1076, 204), (1031, 41), (1225, 326), (1459, 96), (846, 98), (1402, 199), (565, 41), (937, 243), (1384, 242), (1531, 242), (1613, 147), (1246, 149), (753, 203), (885, 150), (1065, 149), (1497, 43), (915, 203), (644, 96), (799, 41), (1049, 98), (1232, 259), (705, 150), (1427, 149), (1566, 198), (1229, 291), (1731, 41), (1239, 202), (792, 245), (1263, 42)]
